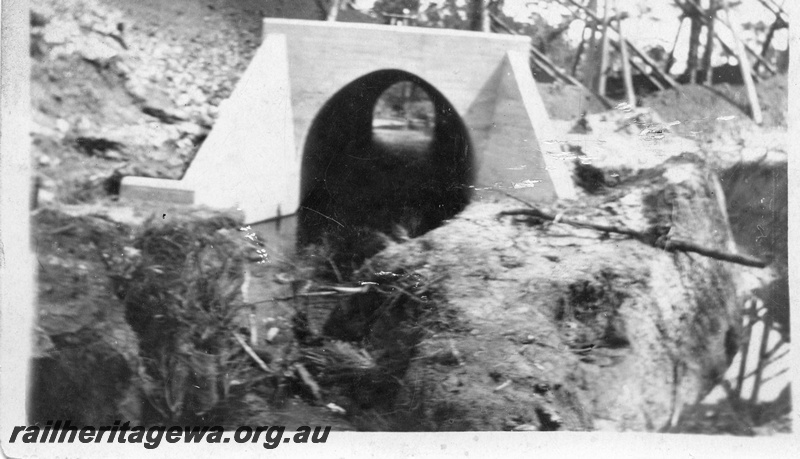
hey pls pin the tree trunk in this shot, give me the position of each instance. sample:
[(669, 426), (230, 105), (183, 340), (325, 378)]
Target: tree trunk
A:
[(479, 16), (709, 51), (767, 42), (579, 53), (592, 56), (602, 70), (487, 21), (694, 45)]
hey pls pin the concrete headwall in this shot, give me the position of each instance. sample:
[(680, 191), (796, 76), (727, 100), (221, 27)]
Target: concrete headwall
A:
[(324, 57), (253, 157)]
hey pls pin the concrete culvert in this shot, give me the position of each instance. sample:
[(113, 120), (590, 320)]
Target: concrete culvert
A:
[(387, 153)]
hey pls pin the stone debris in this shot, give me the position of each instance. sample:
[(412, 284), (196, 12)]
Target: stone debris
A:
[(156, 90)]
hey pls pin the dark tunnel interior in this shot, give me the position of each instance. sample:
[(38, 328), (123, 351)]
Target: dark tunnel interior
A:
[(360, 178)]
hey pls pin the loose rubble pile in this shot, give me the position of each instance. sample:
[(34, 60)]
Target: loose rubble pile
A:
[(123, 97)]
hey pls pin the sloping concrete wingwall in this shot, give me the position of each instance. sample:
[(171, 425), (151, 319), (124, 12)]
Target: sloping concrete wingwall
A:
[(522, 150), (250, 157), (253, 156)]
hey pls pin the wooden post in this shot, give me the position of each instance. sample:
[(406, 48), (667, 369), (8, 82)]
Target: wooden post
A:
[(741, 54), (639, 68), (671, 55), (602, 75), (656, 70), (709, 51), (543, 62), (592, 60), (334, 11), (626, 66)]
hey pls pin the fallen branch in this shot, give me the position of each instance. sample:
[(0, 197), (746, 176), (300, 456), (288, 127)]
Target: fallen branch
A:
[(653, 238), (252, 353), (253, 330), (308, 381), (341, 291), (299, 295), (63, 229)]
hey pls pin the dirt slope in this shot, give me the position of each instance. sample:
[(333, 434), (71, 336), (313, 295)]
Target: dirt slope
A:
[(547, 327)]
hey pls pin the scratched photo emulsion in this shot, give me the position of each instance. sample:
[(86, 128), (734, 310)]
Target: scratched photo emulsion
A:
[(409, 215)]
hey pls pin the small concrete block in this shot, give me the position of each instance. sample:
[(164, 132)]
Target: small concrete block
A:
[(158, 190)]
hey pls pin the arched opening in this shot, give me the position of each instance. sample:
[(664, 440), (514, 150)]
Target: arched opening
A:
[(386, 154)]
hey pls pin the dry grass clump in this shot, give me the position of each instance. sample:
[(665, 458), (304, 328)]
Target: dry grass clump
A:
[(181, 288), (368, 341), (182, 298)]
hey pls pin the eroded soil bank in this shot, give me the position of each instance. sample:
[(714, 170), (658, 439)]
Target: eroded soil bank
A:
[(536, 326)]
